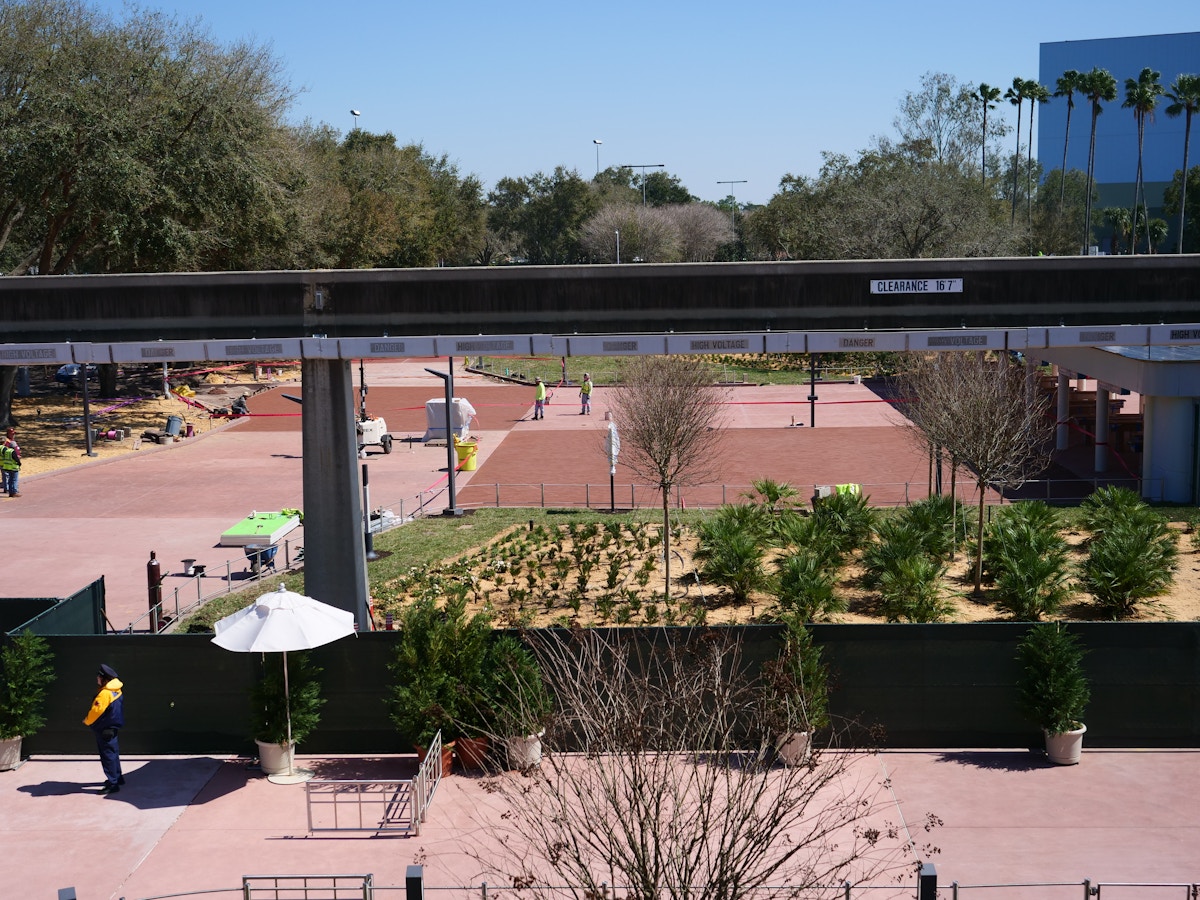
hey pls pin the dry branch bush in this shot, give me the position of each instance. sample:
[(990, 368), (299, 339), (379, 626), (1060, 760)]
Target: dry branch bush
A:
[(656, 782), (669, 411)]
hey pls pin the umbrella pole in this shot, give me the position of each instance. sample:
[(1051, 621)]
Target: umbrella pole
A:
[(287, 699)]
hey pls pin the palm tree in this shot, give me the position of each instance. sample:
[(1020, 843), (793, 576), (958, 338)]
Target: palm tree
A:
[(1066, 86), (1185, 98), (1016, 96), (1037, 93), (1096, 85), (1141, 96), (988, 96)]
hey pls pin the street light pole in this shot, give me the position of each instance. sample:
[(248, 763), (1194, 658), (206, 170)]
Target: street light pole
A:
[(618, 234), (597, 142), (643, 167), (731, 194), (451, 510), (356, 114)]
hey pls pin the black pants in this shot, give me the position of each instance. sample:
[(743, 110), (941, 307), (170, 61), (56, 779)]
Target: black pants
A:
[(110, 754)]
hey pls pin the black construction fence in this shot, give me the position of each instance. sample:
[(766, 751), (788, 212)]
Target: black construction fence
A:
[(915, 686)]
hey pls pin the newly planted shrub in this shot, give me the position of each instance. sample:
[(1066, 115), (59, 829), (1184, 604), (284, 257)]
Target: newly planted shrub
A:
[(941, 521), (732, 558), (1129, 563), (849, 517), (913, 591), (1110, 504), (806, 587), (898, 540)]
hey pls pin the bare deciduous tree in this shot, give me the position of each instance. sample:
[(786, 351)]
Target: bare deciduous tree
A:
[(986, 414), (669, 410), (654, 785), (648, 234), (702, 230)]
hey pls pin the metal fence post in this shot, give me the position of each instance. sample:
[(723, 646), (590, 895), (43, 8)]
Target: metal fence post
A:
[(928, 882), (414, 883), (543, 487)]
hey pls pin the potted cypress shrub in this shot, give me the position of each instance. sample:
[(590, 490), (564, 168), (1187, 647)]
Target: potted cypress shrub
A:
[(438, 669), (519, 702), (1053, 689), (269, 709), (26, 671), (796, 694)]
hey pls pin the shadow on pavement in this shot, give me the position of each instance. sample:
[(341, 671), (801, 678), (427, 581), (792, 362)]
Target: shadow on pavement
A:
[(1001, 761)]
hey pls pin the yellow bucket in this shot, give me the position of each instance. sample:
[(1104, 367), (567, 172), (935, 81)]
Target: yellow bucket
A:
[(467, 455)]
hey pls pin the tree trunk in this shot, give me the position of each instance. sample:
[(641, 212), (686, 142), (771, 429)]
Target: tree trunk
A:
[(666, 498), (107, 373), (8, 381), (1062, 182), (1187, 137), (979, 544)]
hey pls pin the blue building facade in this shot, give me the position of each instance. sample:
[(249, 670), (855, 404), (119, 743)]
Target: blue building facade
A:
[(1116, 128)]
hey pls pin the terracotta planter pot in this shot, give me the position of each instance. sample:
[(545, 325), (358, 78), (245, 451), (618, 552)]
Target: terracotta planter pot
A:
[(275, 759), (1064, 749), (524, 752), (472, 752), (447, 757), (10, 753)]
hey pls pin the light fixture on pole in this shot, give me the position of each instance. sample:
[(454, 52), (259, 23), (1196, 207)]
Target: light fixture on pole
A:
[(643, 167), (735, 181), (356, 114), (448, 378), (597, 142)]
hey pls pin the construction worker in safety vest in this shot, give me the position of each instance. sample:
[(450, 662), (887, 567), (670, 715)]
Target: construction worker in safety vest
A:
[(10, 466), (585, 395), (539, 399)]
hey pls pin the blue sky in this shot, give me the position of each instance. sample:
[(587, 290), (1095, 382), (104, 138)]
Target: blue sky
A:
[(716, 92)]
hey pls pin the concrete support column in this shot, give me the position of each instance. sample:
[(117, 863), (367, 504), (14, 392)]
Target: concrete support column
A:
[(1062, 433), (335, 563), (1169, 454), (1101, 429)]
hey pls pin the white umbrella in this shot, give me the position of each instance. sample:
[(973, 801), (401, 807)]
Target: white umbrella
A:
[(280, 621)]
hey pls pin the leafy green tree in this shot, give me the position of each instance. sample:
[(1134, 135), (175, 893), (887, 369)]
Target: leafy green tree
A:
[(136, 145), (1067, 84), (1098, 86), (664, 189), (543, 215), (1053, 690), (1141, 95), (1185, 100), (987, 96), (1058, 209), (1190, 216), (943, 117)]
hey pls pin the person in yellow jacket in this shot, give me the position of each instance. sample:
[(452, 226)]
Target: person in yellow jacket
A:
[(106, 718), (10, 463), (585, 395), (539, 399)]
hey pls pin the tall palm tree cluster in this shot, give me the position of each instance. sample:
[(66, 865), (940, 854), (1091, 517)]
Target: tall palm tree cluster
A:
[(1142, 95)]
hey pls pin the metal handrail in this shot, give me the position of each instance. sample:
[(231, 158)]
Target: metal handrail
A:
[(177, 611)]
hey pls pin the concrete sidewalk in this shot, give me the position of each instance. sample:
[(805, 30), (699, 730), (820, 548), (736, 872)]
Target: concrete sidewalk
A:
[(190, 824)]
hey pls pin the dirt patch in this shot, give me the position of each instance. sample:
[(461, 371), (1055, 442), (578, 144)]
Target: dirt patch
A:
[(50, 422), (581, 577)]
